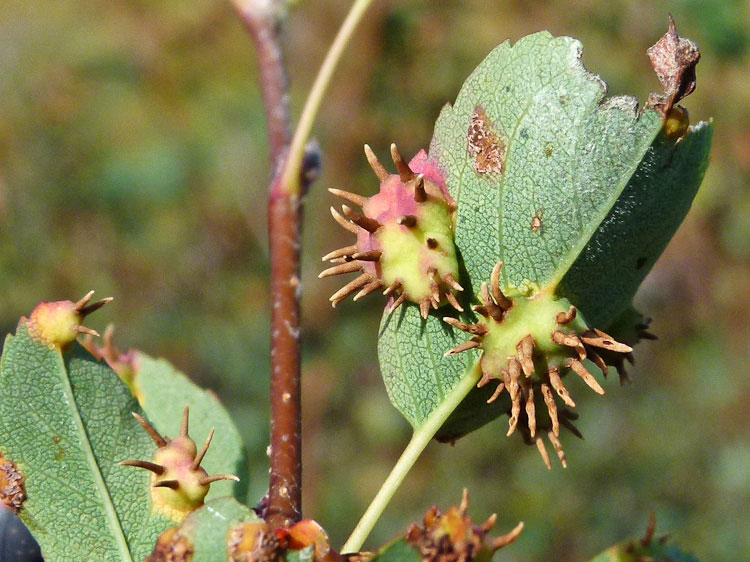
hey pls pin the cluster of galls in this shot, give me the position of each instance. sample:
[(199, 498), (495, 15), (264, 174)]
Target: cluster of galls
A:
[(404, 237), (250, 542), (453, 537), (179, 483), (405, 245), (528, 345)]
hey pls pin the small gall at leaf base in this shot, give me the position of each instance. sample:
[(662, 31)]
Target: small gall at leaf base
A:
[(253, 542), (178, 482), (528, 345), (404, 237), (172, 547), (308, 533), (453, 537), (58, 324), (12, 491)]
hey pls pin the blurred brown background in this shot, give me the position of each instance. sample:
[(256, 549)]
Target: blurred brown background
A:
[(133, 161)]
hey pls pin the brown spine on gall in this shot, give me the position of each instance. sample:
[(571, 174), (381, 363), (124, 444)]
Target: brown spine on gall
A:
[(172, 547)]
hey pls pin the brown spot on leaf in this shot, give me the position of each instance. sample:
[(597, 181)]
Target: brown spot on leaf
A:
[(487, 145), (12, 491), (172, 547), (536, 222), (674, 59)]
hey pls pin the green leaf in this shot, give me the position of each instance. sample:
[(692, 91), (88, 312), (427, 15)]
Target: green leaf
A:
[(569, 154), (603, 280), (163, 393), (207, 528), (576, 194), (417, 376), (66, 422), (398, 551)]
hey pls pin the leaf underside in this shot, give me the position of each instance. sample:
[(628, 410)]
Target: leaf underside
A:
[(417, 376), (66, 421), (607, 274)]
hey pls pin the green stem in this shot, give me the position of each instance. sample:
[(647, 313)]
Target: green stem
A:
[(419, 440), (290, 179)]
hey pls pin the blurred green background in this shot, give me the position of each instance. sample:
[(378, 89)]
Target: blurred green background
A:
[(133, 161)]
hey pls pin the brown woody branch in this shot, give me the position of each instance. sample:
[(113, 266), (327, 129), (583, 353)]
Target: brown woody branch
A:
[(263, 20)]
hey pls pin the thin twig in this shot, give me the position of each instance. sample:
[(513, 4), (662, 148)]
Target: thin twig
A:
[(262, 18), (284, 508), (285, 486), (292, 171)]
